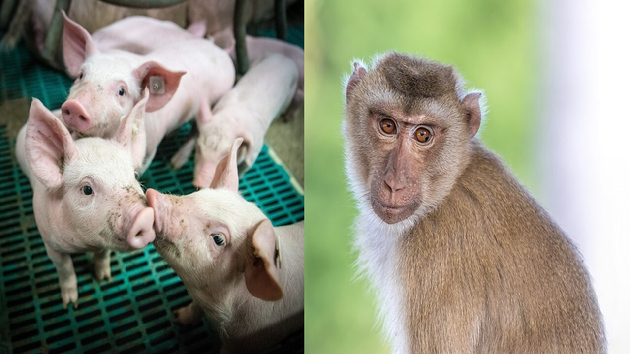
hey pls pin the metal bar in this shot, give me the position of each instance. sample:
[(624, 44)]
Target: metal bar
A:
[(240, 22), (281, 19), (144, 4), (8, 9), (52, 47)]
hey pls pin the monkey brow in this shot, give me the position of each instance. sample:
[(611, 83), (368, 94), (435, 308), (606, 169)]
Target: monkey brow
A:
[(415, 121), (405, 119)]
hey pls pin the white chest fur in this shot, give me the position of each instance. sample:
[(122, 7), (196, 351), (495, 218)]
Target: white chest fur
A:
[(377, 243)]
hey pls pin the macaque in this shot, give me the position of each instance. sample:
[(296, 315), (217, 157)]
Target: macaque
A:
[(461, 257)]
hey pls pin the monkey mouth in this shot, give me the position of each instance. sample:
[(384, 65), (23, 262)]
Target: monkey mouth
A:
[(391, 213)]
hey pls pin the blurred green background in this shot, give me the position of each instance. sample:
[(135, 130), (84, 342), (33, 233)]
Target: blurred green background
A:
[(490, 42)]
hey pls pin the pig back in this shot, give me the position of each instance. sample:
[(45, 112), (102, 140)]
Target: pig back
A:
[(209, 69), (266, 90), (139, 34), (209, 74)]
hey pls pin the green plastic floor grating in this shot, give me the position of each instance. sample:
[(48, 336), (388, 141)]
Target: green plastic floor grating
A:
[(133, 312)]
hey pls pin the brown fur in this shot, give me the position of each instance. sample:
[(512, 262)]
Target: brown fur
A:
[(489, 272), (484, 268)]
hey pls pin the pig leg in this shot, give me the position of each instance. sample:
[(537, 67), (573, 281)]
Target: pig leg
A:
[(102, 269), (67, 277), (295, 106), (190, 314), (181, 157)]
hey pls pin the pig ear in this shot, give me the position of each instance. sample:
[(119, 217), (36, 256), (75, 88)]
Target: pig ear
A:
[(131, 132), (226, 175), (77, 45), (197, 29), (472, 106), (246, 154), (225, 40), (357, 75), (49, 146), (262, 274), (162, 83)]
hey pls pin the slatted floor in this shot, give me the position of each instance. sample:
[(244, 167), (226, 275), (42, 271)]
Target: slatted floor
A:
[(133, 312)]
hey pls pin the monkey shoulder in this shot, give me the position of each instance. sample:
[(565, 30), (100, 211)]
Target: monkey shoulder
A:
[(488, 244), (491, 219), (490, 212)]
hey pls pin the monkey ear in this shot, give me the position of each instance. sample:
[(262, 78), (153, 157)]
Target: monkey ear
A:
[(357, 75), (471, 105)]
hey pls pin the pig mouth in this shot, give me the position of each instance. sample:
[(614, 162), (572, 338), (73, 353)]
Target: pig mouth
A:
[(166, 247), (79, 134), (117, 242)]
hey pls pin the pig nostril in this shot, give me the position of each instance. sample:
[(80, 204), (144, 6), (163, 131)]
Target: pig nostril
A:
[(66, 112), (83, 118)]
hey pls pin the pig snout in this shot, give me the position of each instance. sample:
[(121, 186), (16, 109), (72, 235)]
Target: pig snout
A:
[(141, 231), (75, 116), (167, 209)]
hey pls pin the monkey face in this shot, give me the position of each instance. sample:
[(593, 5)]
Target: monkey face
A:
[(406, 145), (414, 159)]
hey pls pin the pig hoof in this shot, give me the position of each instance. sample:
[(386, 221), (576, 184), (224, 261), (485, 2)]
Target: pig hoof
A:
[(103, 273), (186, 316), (68, 296), (105, 278), (178, 161)]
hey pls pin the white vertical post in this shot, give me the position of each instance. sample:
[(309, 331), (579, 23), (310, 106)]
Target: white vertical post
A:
[(585, 147)]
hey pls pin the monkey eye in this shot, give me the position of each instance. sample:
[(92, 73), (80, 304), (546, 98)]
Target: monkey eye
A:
[(423, 135), (387, 126)]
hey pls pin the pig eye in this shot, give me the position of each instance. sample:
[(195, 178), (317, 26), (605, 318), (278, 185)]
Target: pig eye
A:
[(81, 75), (218, 239), (387, 126), (87, 190), (121, 92)]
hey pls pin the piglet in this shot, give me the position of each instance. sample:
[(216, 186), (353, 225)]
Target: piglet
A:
[(85, 194), (246, 111), (244, 274), (180, 76), (142, 35), (260, 47)]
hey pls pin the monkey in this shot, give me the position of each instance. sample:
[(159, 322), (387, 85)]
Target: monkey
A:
[(460, 256)]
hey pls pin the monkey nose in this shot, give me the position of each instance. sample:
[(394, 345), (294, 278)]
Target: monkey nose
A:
[(394, 184)]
